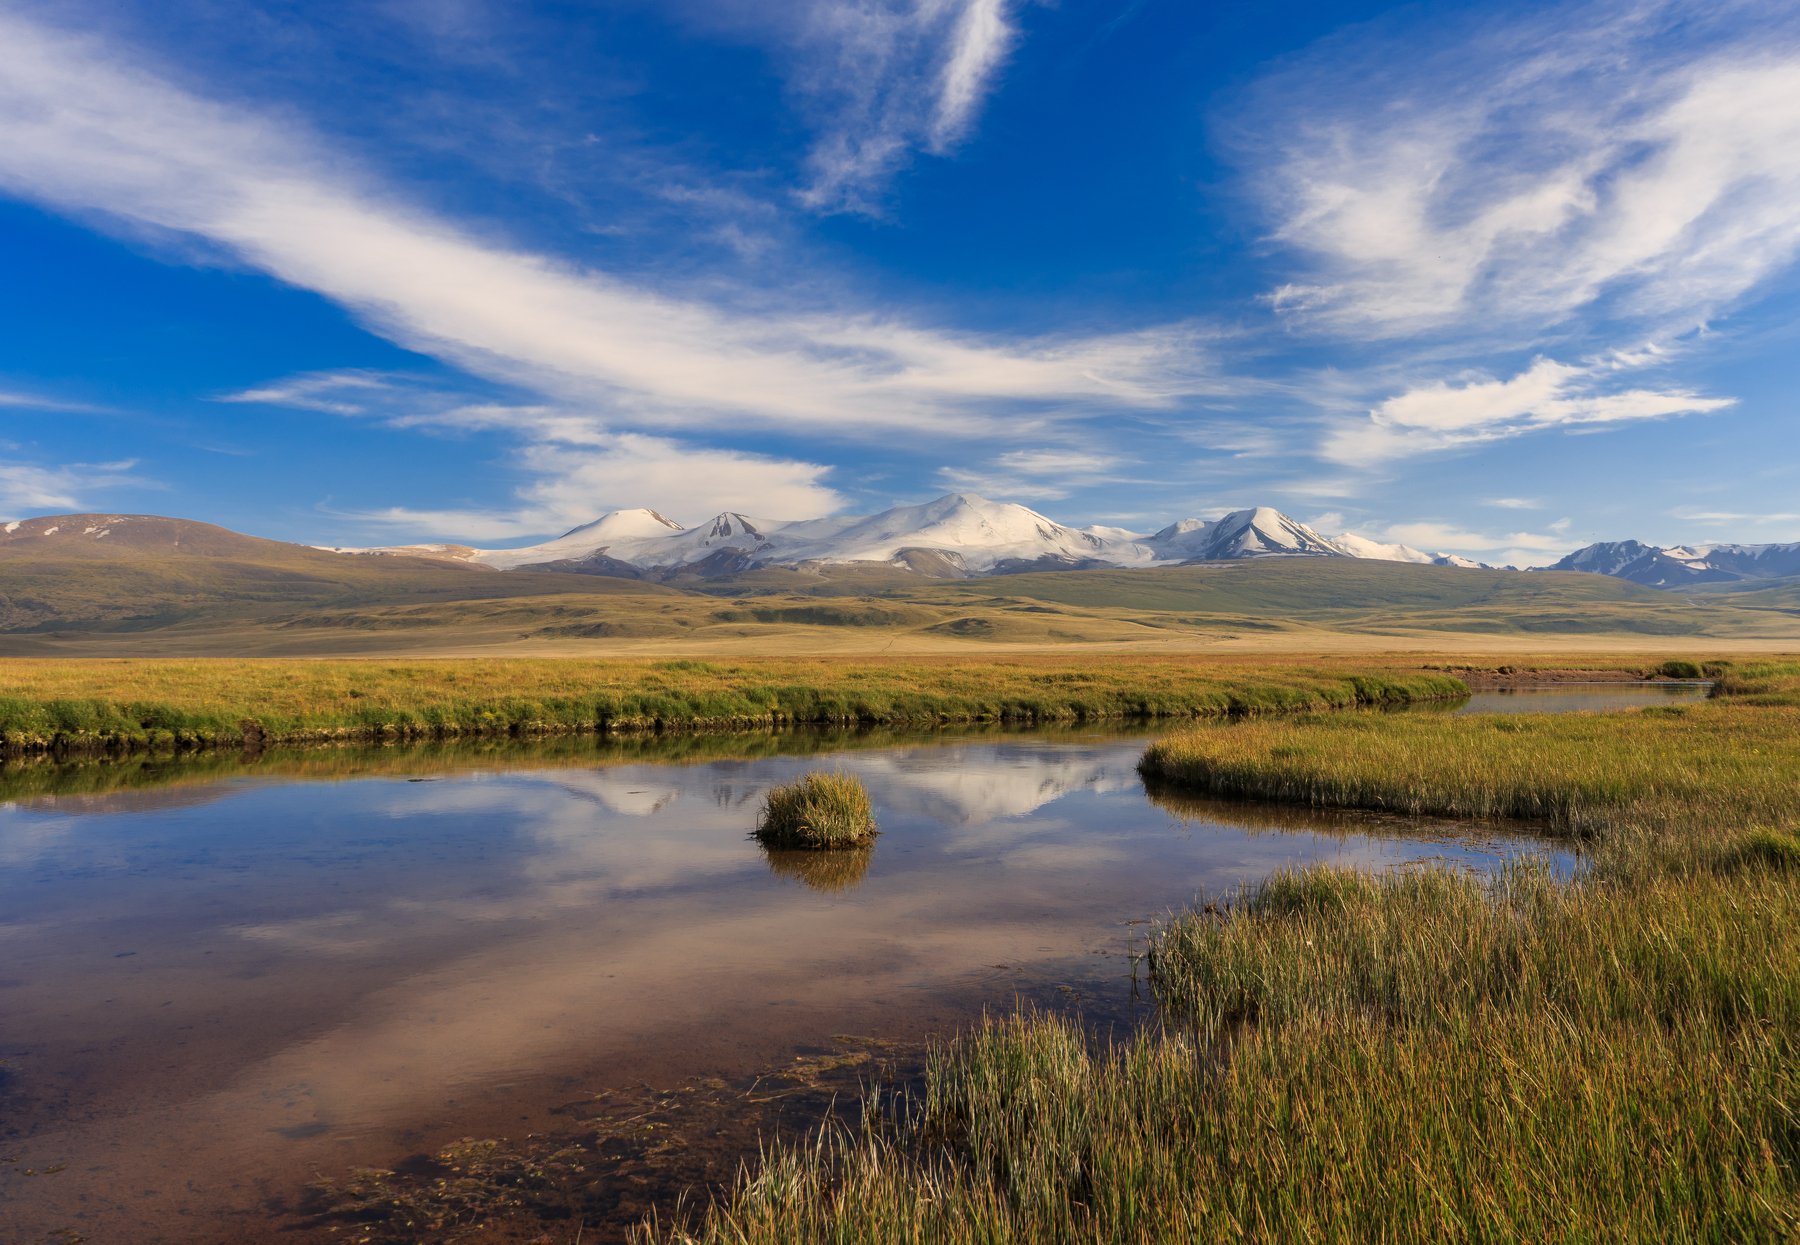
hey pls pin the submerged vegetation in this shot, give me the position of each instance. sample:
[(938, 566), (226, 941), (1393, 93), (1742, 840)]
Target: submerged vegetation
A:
[(1415, 1056), (124, 705), (820, 812)]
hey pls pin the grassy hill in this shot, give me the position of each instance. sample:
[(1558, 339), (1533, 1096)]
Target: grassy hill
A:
[(142, 573)]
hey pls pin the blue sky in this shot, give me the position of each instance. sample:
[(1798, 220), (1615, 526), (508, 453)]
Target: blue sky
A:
[(1497, 280)]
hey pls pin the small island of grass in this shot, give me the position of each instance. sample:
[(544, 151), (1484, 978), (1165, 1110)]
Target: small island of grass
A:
[(820, 812)]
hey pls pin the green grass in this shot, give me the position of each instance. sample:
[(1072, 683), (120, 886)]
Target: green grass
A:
[(1407, 1057), (819, 812), (78, 705)]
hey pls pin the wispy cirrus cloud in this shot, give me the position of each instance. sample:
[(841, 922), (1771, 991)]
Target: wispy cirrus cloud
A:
[(1046, 474), (1507, 185), (343, 392), (21, 401), (84, 130), (28, 488), (1584, 161), (888, 78)]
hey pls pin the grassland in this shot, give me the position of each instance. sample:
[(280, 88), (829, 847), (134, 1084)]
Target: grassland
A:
[(247, 598), (123, 705), (1421, 1056)]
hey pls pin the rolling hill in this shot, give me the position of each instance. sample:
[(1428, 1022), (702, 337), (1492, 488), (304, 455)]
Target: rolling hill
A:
[(126, 585), (111, 572)]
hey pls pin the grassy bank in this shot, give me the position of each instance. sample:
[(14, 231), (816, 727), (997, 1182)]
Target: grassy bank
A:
[(1706, 768), (79, 705), (1419, 1056)]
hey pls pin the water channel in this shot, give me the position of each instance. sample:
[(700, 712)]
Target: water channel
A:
[(221, 978)]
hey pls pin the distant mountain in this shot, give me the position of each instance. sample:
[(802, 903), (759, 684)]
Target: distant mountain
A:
[(956, 536), (1679, 565)]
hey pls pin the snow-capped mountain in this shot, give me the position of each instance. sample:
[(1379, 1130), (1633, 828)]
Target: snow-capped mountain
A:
[(1674, 565), (1241, 534), (954, 536)]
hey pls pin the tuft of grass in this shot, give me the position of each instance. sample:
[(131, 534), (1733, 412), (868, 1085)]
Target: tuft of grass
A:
[(820, 812)]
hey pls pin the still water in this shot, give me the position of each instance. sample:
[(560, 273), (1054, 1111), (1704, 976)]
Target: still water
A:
[(1583, 697), (220, 980)]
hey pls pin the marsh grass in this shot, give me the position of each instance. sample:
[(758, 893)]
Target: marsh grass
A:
[(1716, 766), (822, 811), (120, 705), (1415, 1056)]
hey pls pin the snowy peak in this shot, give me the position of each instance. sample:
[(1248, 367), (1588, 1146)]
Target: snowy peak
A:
[(623, 525), (982, 534), (955, 535), (1256, 533), (1674, 565)]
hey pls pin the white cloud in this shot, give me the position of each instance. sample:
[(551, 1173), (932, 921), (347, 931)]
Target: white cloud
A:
[(1040, 474), (36, 402), (1517, 548), (1514, 503), (1587, 162), (580, 472), (983, 37), (1735, 516), (888, 77), (334, 393), (1472, 410), (84, 132), (27, 489)]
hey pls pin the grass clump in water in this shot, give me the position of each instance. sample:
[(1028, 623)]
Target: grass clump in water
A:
[(820, 812)]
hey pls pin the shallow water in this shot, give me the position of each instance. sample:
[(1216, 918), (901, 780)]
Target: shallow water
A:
[(217, 985), (1582, 697)]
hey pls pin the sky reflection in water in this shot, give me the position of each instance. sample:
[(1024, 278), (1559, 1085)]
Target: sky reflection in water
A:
[(210, 993)]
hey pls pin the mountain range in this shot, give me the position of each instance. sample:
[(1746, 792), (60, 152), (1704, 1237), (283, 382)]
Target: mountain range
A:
[(953, 572), (954, 537), (1677, 565)]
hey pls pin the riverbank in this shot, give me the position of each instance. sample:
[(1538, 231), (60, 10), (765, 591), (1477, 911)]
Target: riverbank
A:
[(1417, 1056), (122, 706)]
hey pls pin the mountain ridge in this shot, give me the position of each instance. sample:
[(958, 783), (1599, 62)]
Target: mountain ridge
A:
[(957, 535)]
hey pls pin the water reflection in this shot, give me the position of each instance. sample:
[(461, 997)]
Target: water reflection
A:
[(213, 990), (823, 871), (1582, 697)]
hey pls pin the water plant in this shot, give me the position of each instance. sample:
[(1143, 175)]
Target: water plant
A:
[(822, 811)]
